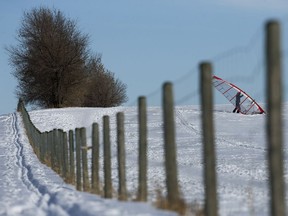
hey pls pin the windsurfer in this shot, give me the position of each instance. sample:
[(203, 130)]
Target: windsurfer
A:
[(237, 103)]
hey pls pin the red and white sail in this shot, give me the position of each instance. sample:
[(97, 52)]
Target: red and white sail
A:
[(248, 105)]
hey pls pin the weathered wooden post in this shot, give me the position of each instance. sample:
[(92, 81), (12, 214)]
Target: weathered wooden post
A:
[(60, 152), (84, 149), (71, 157), (42, 147), (107, 158), (46, 155), (142, 121), (208, 140), (36, 140), (274, 118), (20, 105), (78, 159), (46, 144), (122, 191), (170, 146), (54, 150), (66, 170), (50, 148), (95, 159)]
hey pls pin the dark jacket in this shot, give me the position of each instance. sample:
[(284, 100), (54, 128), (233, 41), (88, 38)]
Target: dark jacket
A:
[(238, 98)]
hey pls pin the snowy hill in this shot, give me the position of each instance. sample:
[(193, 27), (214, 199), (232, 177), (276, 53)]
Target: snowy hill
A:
[(30, 188)]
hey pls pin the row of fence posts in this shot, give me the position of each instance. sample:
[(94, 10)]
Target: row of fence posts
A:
[(56, 149), (67, 154)]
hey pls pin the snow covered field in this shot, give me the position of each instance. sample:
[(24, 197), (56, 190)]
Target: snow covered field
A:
[(30, 188)]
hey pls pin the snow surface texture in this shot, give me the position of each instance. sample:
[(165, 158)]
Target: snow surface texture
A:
[(30, 188)]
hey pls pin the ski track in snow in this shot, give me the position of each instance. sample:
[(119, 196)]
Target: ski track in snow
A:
[(38, 195), (14, 173)]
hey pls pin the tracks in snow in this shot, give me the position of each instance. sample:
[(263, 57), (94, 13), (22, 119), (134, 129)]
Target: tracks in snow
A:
[(26, 173), (188, 126), (192, 129), (39, 194)]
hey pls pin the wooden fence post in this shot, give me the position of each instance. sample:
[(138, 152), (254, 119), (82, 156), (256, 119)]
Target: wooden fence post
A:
[(20, 105), (54, 150), (58, 151), (208, 139), (107, 158), (78, 159), (42, 147), (36, 140), (274, 119), (95, 159), (122, 191), (71, 157), (66, 167), (86, 183), (50, 148), (170, 146), (142, 118), (61, 152), (46, 150)]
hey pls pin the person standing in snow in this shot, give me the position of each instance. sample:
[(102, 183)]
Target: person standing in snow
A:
[(237, 104)]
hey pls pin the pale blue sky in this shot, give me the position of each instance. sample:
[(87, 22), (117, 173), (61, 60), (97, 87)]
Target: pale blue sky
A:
[(148, 42)]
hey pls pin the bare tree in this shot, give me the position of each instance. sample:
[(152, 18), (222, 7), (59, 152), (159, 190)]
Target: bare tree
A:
[(49, 59), (104, 90)]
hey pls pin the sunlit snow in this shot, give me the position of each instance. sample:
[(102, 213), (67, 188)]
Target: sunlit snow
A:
[(30, 188)]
